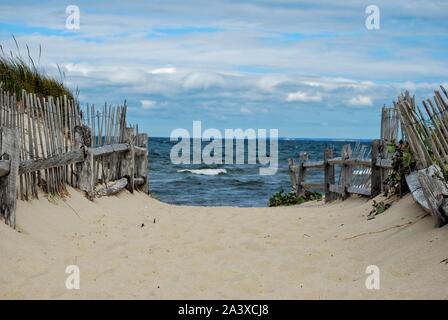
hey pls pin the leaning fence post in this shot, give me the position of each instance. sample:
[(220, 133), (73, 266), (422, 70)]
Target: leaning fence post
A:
[(9, 148), (127, 164), (376, 180), (85, 173), (328, 174), (141, 162), (293, 175), (346, 174), (303, 156)]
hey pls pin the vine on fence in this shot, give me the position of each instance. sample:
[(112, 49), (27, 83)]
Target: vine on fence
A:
[(403, 163)]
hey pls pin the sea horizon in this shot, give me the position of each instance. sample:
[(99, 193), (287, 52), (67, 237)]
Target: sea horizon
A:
[(224, 184)]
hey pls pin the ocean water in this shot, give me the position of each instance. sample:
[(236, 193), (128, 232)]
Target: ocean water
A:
[(229, 184)]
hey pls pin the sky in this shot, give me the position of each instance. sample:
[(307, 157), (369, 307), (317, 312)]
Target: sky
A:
[(310, 69)]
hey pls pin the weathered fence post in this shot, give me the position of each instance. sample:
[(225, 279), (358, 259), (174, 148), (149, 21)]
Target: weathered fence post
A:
[(346, 174), (293, 175), (86, 170), (127, 164), (303, 156), (376, 176), (328, 174), (9, 149), (141, 162)]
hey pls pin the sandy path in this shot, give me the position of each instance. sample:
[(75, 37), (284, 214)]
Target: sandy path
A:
[(200, 252)]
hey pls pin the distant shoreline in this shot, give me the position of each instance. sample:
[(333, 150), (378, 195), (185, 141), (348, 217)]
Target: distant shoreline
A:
[(299, 139)]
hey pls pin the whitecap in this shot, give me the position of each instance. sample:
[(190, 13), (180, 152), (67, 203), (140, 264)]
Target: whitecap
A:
[(207, 172)]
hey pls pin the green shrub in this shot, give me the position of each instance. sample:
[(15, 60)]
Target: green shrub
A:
[(378, 208), (288, 199)]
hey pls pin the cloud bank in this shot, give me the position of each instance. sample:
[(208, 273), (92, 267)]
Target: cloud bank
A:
[(291, 65)]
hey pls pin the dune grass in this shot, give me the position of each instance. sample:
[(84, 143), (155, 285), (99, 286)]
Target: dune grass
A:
[(16, 74)]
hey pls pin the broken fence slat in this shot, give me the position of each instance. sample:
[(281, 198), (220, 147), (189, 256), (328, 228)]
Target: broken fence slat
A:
[(59, 160), (111, 148)]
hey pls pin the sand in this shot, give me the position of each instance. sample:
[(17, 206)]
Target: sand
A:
[(133, 246)]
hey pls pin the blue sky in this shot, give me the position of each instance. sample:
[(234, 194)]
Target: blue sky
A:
[(306, 68)]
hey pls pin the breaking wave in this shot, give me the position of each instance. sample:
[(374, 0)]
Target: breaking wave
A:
[(207, 172)]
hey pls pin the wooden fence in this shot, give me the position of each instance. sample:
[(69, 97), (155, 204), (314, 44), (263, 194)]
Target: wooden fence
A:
[(49, 143), (426, 131), (427, 134), (358, 174)]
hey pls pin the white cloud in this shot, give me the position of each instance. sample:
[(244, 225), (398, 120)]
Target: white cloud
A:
[(126, 77), (148, 104), (80, 68), (203, 80), (338, 83), (268, 83), (361, 101), (304, 97), (166, 70)]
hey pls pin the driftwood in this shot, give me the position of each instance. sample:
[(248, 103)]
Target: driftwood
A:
[(111, 188)]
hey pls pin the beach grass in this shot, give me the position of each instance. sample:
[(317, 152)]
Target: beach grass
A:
[(17, 73)]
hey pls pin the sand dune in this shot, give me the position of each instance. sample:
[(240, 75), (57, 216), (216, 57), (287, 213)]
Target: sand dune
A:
[(132, 246)]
